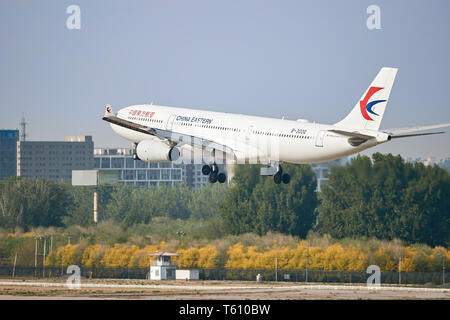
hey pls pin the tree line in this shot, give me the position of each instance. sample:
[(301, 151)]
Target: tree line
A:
[(387, 198), (295, 256), (383, 197)]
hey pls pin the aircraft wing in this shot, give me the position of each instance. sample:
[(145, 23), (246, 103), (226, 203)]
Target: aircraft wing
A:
[(173, 138)]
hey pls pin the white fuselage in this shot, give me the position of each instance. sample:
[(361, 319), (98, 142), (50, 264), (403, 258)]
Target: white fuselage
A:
[(253, 139)]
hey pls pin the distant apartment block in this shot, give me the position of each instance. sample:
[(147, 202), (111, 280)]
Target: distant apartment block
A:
[(55, 160), (119, 161), (323, 169), (431, 161), (8, 152)]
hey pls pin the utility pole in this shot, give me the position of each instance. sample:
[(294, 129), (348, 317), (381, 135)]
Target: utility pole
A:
[(43, 259), (443, 271), (400, 270), (307, 252), (14, 268), (62, 264), (35, 257), (276, 269), (95, 205)]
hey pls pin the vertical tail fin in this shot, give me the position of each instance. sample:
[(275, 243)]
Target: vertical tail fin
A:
[(368, 111)]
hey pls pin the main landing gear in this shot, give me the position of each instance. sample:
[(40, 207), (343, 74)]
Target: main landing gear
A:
[(214, 174), (279, 176), (135, 156)]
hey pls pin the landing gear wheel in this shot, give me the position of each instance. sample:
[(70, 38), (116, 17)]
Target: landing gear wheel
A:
[(212, 177), (277, 177), (215, 168), (221, 177), (135, 156), (286, 178), (206, 169)]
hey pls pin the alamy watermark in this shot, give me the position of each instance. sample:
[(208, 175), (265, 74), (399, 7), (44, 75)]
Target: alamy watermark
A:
[(74, 280), (73, 21), (374, 19), (374, 280)]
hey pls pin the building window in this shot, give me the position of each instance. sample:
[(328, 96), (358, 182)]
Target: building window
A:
[(129, 163), (97, 163), (165, 174), (165, 165), (141, 164), (176, 174), (117, 163), (141, 174), (153, 174), (129, 175), (106, 163)]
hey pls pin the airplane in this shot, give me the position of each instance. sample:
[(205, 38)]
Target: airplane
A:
[(162, 133)]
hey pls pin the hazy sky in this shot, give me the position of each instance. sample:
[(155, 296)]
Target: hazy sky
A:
[(297, 59)]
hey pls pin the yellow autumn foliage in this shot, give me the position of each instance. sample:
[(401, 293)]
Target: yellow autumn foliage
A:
[(207, 257), (236, 256), (92, 255), (188, 258), (336, 256), (385, 259), (408, 264), (316, 258), (70, 254), (297, 258), (119, 256)]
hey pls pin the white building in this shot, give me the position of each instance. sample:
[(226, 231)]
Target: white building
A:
[(162, 268), (187, 275), (145, 174)]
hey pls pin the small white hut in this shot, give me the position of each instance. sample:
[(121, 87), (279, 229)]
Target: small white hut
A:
[(162, 268)]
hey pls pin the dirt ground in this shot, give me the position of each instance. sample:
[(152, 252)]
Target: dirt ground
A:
[(207, 290)]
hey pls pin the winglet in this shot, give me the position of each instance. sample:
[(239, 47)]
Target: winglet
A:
[(108, 111)]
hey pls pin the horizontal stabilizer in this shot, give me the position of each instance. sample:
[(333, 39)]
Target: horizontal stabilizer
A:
[(414, 135), (355, 138), (415, 129), (353, 134)]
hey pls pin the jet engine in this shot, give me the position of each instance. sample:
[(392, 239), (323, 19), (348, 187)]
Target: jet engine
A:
[(156, 151)]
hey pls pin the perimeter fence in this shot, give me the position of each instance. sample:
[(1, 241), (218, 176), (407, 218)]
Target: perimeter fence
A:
[(320, 276)]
